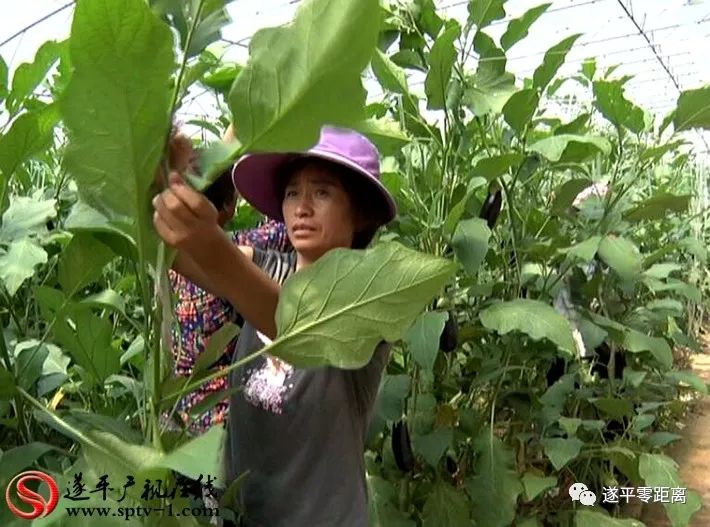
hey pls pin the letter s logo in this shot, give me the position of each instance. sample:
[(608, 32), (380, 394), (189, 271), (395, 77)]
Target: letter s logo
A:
[(40, 506)]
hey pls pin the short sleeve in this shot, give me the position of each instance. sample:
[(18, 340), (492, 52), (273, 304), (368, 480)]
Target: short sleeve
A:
[(278, 265)]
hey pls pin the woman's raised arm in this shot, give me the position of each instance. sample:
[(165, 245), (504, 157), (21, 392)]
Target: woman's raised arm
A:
[(187, 221)]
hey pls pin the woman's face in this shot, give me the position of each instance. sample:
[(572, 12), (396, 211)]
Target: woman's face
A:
[(317, 211)]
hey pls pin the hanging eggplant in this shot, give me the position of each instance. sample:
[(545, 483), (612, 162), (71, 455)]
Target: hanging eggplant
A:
[(451, 465), (402, 446), (491, 206), (449, 338)]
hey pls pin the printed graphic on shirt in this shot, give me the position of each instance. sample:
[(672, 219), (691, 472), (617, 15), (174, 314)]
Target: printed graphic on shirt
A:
[(266, 386)]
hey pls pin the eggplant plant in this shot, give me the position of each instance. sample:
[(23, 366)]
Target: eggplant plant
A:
[(547, 356), (117, 109)]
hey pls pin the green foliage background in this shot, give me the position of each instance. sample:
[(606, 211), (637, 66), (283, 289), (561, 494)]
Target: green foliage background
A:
[(85, 369)]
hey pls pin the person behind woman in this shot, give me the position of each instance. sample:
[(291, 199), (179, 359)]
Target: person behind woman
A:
[(299, 434), (199, 314)]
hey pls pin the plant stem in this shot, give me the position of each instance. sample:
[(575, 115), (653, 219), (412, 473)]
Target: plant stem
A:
[(183, 65)]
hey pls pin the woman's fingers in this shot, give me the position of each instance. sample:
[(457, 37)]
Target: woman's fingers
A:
[(182, 215), (163, 211), (194, 201)]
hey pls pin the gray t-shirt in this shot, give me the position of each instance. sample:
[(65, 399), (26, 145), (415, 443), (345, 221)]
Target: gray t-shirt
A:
[(299, 432)]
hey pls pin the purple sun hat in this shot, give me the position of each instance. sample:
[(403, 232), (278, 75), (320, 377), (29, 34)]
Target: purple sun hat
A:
[(255, 176)]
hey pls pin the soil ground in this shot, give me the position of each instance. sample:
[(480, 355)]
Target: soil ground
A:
[(692, 454)]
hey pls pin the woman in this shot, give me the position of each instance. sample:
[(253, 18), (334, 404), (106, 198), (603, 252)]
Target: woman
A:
[(199, 314), (298, 433)]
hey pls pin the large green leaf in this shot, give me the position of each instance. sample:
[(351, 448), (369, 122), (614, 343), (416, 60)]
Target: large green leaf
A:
[(25, 217), (685, 289), (382, 499), (520, 109), (610, 101), (662, 271), (81, 262), (457, 211), (622, 256), (423, 338), (492, 85), (14, 460), (54, 370), (441, 62), (658, 207), (595, 518), (518, 27), (483, 12), (125, 53), (87, 338), (489, 95), (393, 391), (658, 470), (634, 341), (495, 166), (615, 407), (470, 242), (386, 134), (304, 75), (433, 445), (570, 147), (390, 76), (29, 356), (534, 485), (357, 298), (496, 481), (19, 263), (202, 455), (445, 507), (554, 58), (29, 134), (30, 74), (532, 317), (565, 196), (206, 29), (693, 110), (561, 451)]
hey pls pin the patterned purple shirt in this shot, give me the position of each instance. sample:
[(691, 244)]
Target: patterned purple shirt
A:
[(199, 315)]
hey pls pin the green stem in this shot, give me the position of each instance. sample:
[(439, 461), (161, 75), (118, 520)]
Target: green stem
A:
[(617, 169), (191, 386), (20, 327), (183, 65), (160, 323)]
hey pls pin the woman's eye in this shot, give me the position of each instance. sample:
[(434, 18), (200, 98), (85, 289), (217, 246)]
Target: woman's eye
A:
[(321, 192), (290, 193)]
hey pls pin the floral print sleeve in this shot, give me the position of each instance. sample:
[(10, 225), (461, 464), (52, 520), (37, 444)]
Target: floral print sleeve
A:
[(199, 315)]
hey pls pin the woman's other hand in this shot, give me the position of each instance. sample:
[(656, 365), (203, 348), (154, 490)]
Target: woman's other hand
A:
[(184, 218)]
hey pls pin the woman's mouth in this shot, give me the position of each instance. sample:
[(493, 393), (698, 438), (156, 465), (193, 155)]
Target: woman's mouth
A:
[(301, 228)]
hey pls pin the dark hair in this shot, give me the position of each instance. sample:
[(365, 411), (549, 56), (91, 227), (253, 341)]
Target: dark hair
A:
[(367, 205), (221, 192)]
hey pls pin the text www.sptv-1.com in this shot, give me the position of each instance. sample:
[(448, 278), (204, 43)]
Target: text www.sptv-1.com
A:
[(141, 512), (34, 494)]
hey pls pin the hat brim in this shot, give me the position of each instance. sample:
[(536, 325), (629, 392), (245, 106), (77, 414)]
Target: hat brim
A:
[(255, 176)]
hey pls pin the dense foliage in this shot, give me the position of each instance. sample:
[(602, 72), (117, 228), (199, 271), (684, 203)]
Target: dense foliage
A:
[(494, 402)]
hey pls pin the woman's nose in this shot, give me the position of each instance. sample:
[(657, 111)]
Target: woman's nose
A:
[(304, 206)]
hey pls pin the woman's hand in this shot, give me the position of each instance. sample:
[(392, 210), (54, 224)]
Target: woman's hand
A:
[(185, 219)]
